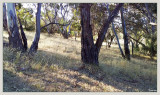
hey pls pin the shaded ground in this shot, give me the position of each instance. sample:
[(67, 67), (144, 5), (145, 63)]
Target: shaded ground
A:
[(57, 67)]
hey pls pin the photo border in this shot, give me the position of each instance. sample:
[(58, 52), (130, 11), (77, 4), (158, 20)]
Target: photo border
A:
[(79, 93)]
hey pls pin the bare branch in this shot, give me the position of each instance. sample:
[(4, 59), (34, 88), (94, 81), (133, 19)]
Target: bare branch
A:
[(56, 24)]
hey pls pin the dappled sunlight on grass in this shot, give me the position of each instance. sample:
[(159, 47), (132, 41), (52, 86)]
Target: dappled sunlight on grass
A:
[(55, 67)]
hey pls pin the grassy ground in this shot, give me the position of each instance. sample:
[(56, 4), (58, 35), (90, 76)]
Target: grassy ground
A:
[(56, 67)]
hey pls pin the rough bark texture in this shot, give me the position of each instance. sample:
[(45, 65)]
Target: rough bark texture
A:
[(5, 17), (89, 53), (89, 50), (14, 37), (126, 47), (24, 39), (34, 45)]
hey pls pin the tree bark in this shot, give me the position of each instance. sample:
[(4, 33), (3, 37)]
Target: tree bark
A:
[(14, 37), (89, 53), (5, 17), (34, 45), (132, 47), (89, 50), (126, 47), (24, 39)]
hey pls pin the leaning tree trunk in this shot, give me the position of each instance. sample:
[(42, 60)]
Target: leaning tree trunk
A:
[(105, 27), (34, 45), (14, 37), (89, 50), (126, 47), (118, 41), (24, 39), (5, 17), (116, 36)]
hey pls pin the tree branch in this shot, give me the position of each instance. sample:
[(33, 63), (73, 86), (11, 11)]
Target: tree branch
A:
[(56, 24), (105, 27)]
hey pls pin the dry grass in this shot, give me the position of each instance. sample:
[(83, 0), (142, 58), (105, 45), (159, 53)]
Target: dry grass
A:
[(54, 68)]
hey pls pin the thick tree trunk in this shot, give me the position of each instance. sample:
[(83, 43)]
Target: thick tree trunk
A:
[(89, 53), (14, 37), (126, 47), (24, 39), (5, 17), (34, 45)]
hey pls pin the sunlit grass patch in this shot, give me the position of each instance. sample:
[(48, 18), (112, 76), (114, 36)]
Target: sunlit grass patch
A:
[(134, 71), (54, 68)]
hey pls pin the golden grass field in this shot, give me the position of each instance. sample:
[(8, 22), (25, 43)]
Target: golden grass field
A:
[(54, 68)]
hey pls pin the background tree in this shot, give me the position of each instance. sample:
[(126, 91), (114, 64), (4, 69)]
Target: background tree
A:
[(34, 45), (126, 47), (26, 16), (139, 27), (116, 34), (23, 36)]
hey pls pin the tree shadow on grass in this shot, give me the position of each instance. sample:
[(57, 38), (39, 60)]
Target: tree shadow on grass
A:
[(69, 64), (116, 82), (13, 83)]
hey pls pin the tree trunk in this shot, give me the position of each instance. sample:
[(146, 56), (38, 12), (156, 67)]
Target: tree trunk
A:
[(64, 33), (111, 40), (34, 45), (132, 46), (126, 47), (89, 50), (69, 31), (116, 36), (105, 27), (14, 37), (24, 39), (25, 24), (89, 53), (153, 30), (5, 17), (118, 41)]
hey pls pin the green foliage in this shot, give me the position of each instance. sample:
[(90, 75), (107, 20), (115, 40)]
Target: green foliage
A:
[(27, 20), (41, 25), (151, 42)]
